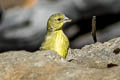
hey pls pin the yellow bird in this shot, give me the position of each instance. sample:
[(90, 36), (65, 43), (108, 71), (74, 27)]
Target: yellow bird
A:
[(55, 39)]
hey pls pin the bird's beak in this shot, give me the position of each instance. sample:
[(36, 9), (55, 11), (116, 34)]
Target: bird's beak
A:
[(66, 19)]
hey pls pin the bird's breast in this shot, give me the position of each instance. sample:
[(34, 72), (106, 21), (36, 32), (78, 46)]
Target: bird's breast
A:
[(57, 39)]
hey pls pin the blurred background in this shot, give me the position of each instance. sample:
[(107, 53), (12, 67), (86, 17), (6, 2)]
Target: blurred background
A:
[(23, 22)]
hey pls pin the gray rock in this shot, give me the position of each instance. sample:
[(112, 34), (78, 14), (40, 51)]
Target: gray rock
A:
[(98, 55), (98, 61)]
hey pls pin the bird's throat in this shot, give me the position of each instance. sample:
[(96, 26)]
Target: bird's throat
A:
[(52, 28)]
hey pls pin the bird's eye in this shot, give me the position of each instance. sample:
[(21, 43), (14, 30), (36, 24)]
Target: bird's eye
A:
[(59, 19)]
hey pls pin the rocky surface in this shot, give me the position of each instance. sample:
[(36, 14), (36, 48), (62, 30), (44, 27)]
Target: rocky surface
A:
[(99, 61)]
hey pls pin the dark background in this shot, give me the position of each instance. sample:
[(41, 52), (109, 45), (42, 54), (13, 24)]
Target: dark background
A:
[(23, 22)]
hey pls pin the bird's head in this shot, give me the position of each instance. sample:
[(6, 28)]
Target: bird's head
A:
[(56, 21)]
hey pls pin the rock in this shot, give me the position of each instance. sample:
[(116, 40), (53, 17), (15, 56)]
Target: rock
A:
[(99, 61), (98, 55)]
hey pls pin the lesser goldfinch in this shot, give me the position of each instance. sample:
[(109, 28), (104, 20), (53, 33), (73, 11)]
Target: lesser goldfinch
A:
[(55, 39)]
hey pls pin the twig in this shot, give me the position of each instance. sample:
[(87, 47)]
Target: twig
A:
[(94, 29)]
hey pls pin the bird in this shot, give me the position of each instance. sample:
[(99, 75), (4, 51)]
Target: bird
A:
[(55, 38)]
